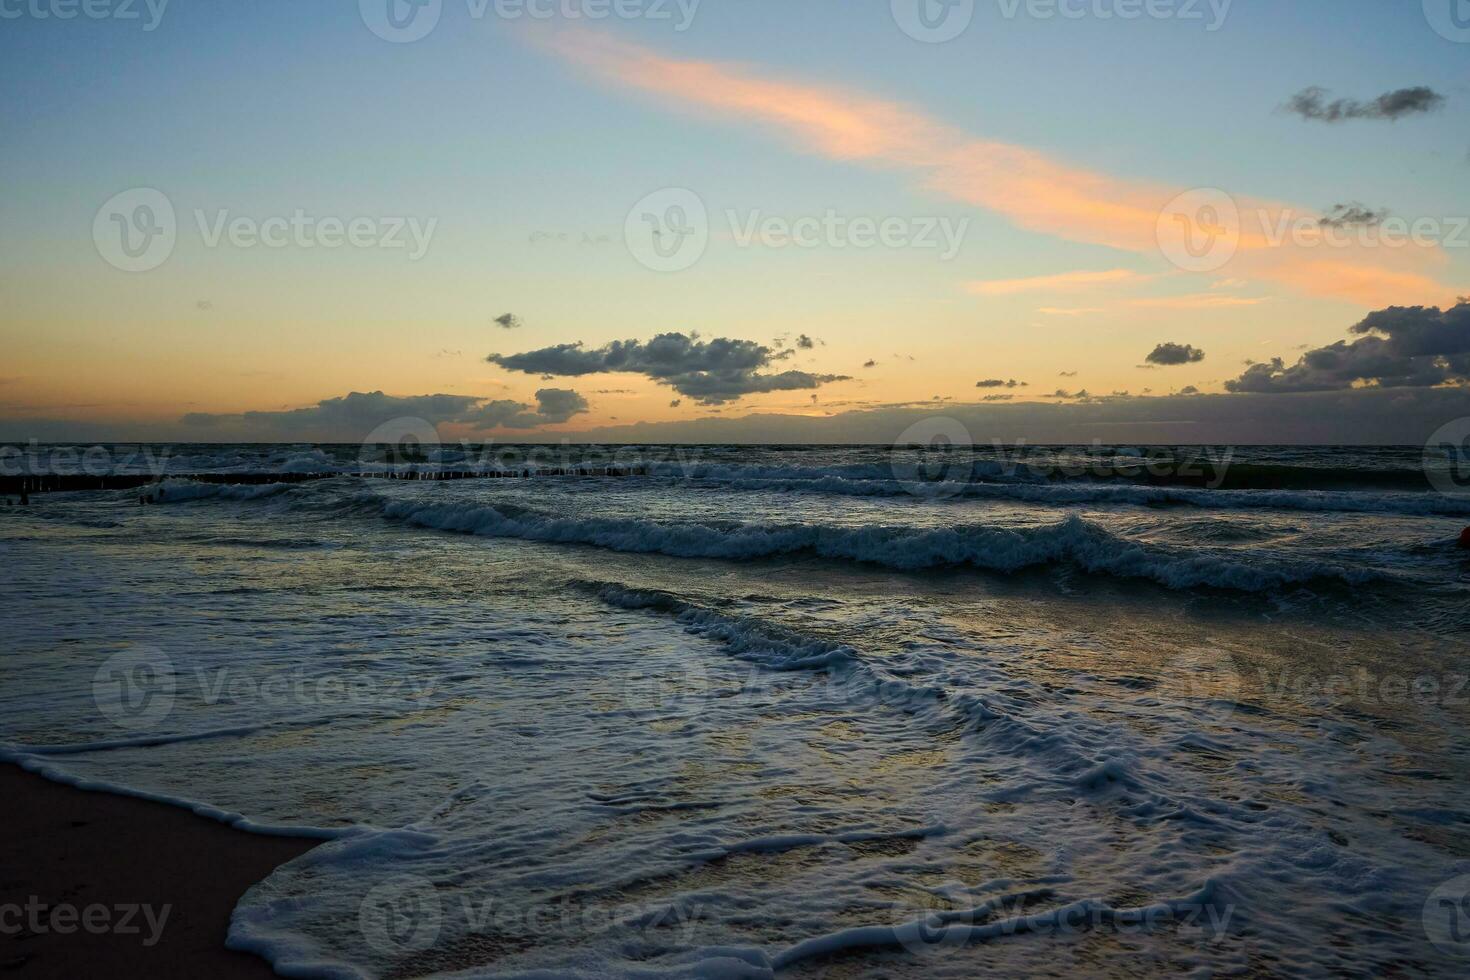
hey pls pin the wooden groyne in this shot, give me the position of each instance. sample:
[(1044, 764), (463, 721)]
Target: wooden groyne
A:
[(61, 482)]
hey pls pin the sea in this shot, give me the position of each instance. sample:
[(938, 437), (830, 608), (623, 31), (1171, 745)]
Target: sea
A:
[(776, 711)]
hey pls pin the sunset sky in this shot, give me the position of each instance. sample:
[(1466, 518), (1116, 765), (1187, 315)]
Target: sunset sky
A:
[(998, 219)]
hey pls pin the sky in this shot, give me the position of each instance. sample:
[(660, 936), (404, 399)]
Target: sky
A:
[(759, 220)]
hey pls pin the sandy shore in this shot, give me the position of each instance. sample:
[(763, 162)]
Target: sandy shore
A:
[(96, 885)]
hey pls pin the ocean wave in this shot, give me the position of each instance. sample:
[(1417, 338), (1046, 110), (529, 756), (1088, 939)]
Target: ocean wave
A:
[(1073, 541), (745, 637), (870, 481), (183, 491)]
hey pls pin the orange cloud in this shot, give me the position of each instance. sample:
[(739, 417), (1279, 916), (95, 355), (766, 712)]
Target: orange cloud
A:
[(1197, 301), (1056, 283), (1034, 191)]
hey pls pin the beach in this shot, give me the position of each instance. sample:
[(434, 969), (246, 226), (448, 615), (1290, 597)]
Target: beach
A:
[(759, 712), (66, 848)]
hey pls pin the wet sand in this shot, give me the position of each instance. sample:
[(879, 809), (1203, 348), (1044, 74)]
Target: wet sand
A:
[(65, 849)]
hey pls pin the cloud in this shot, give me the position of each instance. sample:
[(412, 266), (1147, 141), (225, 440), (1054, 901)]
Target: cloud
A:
[(1310, 103), (1399, 347), (553, 405), (1170, 354), (870, 363), (357, 413), (1189, 390), (1344, 215), (997, 398), (353, 416), (676, 403), (1056, 283), (804, 342), (508, 321), (710, 372), (1067, 374), (998, 383), (1359, 417), (1197, 301), (1034, 191)]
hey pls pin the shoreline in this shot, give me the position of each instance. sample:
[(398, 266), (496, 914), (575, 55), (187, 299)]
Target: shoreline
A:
[(93, 883)]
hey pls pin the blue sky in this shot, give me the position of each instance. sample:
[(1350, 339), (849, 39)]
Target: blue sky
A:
[(528, 162)]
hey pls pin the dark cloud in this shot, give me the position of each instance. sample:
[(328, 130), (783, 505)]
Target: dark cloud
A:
[(1372, 416), (559, 404), (509, 321), (355, 415), (553, 405), (1399, 347), (710, 372), (1170, 354), (998, 383), (998, 398), (1067, 374), (1344, 215), (1187, 390), (676, 403), (869, 364), (804, 342), (1311, 103)]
